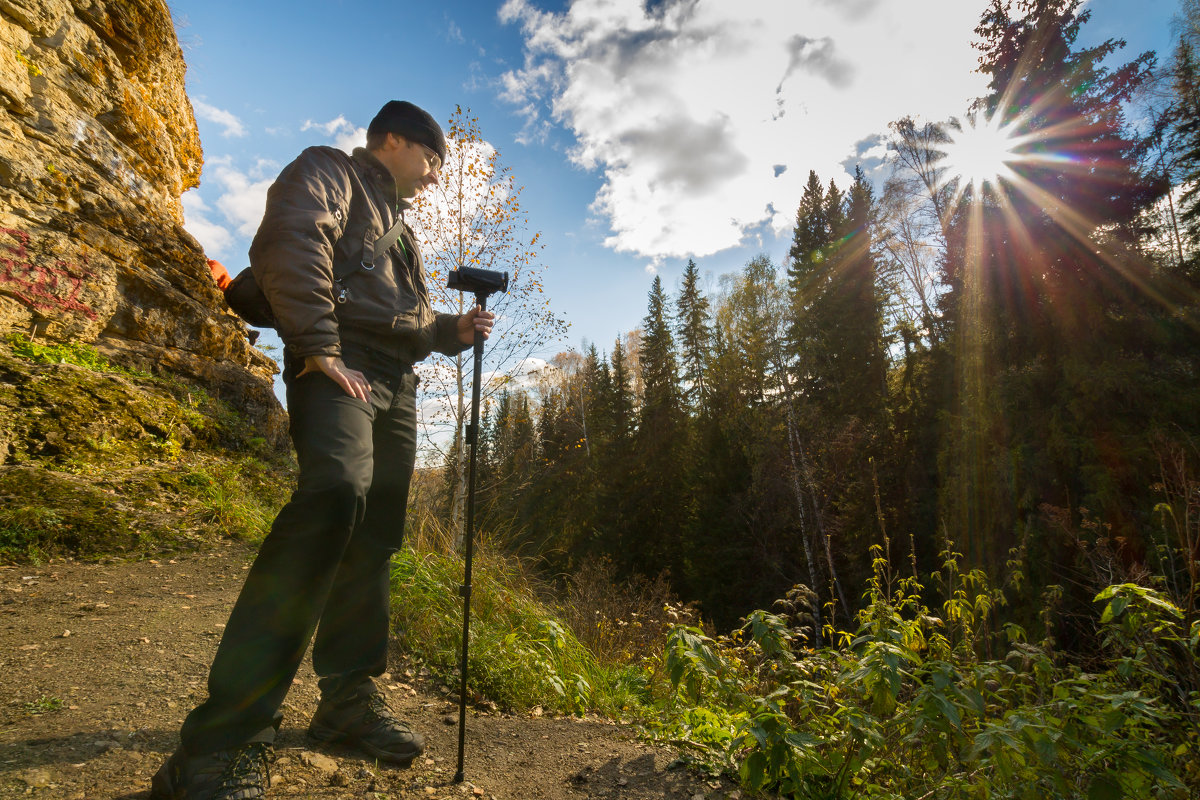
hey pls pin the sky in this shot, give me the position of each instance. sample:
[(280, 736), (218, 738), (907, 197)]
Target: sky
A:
[(644, 132)]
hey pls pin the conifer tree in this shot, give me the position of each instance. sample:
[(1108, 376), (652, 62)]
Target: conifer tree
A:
[(693, 328), (1186, 141), (620, 399), (658, 492), (1048, 295)]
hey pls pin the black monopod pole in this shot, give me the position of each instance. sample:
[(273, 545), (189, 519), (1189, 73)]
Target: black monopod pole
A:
[(472, 440)]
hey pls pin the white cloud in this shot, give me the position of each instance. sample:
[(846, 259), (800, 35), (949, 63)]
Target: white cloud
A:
[(226, 119), (341, 133), (243, 197), (213, 237), (704, 117)]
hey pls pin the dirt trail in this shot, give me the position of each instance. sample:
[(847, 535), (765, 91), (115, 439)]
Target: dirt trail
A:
[(100, 662)]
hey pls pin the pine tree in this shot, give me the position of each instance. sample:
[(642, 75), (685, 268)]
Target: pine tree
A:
[(693, 328), (658, 493), (660, 382), (1186, 141), (620, 399), (1048, 298)]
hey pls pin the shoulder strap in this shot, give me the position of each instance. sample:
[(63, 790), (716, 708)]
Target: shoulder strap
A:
[(388, 239), (381, 246)]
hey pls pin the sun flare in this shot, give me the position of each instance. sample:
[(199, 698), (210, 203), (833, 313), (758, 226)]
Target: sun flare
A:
[(981, 152)]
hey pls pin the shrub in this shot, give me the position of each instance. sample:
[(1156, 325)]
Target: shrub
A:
[(899, 709)]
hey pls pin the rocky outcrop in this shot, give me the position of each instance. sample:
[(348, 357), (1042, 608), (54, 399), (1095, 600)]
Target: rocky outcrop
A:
[(97, 144)]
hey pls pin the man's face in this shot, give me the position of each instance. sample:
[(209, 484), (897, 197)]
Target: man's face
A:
[(413, 165)]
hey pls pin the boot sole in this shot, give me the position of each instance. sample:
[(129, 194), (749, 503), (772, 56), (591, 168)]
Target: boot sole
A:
[(161, 787), (334, 736)]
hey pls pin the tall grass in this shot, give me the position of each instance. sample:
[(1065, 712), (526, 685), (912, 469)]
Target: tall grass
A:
[(522, 655)]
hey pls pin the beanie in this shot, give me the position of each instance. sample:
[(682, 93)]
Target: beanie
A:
[(415, 124)]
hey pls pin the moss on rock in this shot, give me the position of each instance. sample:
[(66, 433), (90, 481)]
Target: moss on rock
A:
[(97, 460)]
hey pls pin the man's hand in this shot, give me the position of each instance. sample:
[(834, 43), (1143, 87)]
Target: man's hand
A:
[(474, 320), (353, 382)]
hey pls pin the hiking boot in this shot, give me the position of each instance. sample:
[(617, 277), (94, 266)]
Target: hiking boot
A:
[(239, 773), (365, 721)]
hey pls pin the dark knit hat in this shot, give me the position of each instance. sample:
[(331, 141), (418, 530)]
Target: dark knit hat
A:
[(415, 124)]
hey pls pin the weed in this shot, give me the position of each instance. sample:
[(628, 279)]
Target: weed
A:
[(904, 707), (77, 353), (43, 705)]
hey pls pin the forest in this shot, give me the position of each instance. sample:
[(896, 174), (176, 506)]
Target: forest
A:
[(922, 501), (1003, 367)]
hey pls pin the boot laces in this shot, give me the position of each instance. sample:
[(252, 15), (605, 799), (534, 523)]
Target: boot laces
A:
[(247, 768), (378, 708)]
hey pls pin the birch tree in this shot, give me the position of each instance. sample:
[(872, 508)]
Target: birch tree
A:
[(474, 218)]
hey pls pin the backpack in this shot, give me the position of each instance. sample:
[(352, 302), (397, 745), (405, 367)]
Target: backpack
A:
[(247, 300)]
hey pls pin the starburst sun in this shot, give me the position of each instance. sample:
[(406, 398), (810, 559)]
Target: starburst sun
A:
[(981, 153)]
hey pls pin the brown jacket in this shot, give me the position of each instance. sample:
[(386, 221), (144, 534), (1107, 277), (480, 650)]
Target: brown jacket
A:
[(326, 209)]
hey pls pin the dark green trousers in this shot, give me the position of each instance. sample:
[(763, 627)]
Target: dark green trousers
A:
[(324, 567)]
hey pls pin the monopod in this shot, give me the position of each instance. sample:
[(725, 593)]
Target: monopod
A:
[(482, 282)]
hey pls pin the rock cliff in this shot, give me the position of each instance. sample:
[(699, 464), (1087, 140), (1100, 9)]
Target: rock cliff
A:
[(97, 144)]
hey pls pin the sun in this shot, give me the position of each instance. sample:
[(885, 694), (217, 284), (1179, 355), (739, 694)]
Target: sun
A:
[(981, 152)]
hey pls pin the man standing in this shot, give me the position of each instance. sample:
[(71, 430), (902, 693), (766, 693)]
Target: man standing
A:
[(353, 320)]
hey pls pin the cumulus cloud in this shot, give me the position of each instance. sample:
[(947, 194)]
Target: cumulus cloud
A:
[(233, 126), (819, 57), (215, 238), (341, 133), (704, 117), (243, 195)]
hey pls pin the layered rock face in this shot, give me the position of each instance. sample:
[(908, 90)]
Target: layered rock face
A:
[(97, 144)]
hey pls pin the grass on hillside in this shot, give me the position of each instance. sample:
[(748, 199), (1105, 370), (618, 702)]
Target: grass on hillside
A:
[(521, 655), (107, 461)]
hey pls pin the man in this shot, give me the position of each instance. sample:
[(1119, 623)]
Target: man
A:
[(353, 324)]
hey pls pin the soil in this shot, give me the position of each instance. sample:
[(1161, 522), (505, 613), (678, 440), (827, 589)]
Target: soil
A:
[(101, 661)]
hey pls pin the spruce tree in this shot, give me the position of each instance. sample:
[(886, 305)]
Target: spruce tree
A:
[(1052, 306), (658, 494), (693, 328), (1185, 140)]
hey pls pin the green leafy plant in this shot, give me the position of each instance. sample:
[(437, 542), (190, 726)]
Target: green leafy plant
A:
[(43, 705), (904, 708), (77, 353)]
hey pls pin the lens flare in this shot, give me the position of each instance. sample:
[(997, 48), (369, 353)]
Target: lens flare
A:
[(980, 153)]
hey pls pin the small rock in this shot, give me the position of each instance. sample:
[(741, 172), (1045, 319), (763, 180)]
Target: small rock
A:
[(622, 781), (64, 634), (319, 762), (37, 778), (449, 720), (339, 779)]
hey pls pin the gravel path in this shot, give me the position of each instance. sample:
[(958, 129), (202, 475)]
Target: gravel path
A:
[(100, 662)]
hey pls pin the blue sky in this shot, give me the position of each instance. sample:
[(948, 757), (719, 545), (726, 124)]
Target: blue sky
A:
[(641, 137)]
